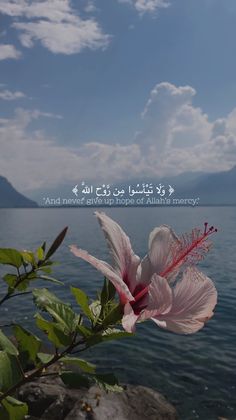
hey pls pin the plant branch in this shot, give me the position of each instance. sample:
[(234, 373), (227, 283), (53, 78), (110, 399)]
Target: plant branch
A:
[(20, 279), (37, 372)]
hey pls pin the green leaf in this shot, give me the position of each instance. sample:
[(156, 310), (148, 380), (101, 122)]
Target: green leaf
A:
[(10, 373), (108, 382), (43, 298), (84, 331), (10, 279), (82, 300), (108, 335), (95, 309), (45, 268), (28, 342), (10, 256), (54, 332), (49, 278), (113, 316), (6, 345), (108, 292), (3, 413), (28, 257), (75, 380), (15, 409), (40, 253), (43, 246), (59, 239), (64, 315), (44, 357), (82, 364), (115, 334)]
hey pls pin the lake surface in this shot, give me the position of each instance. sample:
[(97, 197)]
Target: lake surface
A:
[(197, 373)]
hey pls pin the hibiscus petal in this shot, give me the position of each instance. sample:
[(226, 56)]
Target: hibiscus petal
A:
[(159, 298), (145, 271), (125, 262), (162, 243), (106, 270), (194, 299), (129, 319)]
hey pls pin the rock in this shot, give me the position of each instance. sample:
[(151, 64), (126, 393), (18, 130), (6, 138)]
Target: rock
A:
[(50, 399)]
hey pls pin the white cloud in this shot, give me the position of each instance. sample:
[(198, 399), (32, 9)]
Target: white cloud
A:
[(8, 95), (176, 137), (59, 37), (32, 160), (8, 51), (55, 24), (147, 6), (90, 7)]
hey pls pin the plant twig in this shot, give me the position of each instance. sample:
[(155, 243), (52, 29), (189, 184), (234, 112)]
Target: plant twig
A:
[(37, 372)]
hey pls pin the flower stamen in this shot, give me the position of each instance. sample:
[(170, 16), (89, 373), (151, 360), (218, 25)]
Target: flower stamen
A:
[(191, 247)]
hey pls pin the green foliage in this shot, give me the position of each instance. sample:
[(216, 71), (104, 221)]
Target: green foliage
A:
[(66, 330), (54, 332), (10, 279), (27, 342), (96, 311), (108, 382), (7, 345), (44, 298), (10, 372), (44, 357), (10, 256), (30, 266), (48, 278), (82, 300), (113, 316), (75, 380), (40, 254), (28, 257), (108, 292), (13, 409), (56, 243), (64, 319), (107, 335), (82, 364)]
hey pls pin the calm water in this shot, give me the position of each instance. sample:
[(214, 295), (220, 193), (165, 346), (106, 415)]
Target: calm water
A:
[(196, 373)]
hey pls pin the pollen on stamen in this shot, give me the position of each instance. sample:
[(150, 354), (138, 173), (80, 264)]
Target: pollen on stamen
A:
[(211, 230), (191, 248)]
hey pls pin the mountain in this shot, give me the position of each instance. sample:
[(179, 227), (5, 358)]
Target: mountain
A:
[(65, 190), (9, 197), (213, 189)]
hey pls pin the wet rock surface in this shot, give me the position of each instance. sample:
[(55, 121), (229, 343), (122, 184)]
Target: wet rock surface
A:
[(49, 399)]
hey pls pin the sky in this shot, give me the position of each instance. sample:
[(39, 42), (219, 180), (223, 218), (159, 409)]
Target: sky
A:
[(110, 90)]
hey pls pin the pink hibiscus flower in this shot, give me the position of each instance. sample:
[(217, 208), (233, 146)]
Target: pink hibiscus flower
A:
[(145, 287)]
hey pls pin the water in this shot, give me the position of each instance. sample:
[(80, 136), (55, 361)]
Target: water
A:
[(197, 372)]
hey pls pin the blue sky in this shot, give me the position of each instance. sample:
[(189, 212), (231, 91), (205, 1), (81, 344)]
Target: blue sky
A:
[(111, 89)]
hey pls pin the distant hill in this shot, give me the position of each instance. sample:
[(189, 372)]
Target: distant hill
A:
[(211, 188), (9, 197), (65, 190)]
